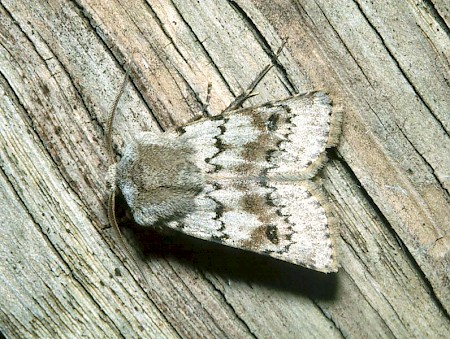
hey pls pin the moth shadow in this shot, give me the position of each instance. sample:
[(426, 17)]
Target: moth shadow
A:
[(235, 264)]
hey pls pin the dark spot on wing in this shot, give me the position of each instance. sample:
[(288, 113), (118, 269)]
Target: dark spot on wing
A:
[(180, 130), (272, 234), (272, 122)]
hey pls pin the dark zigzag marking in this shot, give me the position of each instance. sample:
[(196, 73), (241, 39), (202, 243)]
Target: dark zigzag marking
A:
[(219, 145), (218, 216)]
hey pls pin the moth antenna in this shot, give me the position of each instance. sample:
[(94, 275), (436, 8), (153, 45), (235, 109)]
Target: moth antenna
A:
[(112, 195), (108, 137), (112, 113), (112, 220)]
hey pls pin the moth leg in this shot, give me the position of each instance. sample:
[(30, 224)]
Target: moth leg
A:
[(248, 93), (206, 104)]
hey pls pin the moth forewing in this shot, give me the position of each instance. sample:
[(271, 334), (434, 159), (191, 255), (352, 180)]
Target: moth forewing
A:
[(242, 178)]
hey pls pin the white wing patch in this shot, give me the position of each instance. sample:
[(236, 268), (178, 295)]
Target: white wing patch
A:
[(242, 179)]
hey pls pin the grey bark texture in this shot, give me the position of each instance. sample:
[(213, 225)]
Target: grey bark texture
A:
[(63, 271)]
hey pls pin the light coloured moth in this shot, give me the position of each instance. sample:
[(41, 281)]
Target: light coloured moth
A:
[(241, 178)]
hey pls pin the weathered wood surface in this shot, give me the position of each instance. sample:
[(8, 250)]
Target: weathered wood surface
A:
[(64, 274)]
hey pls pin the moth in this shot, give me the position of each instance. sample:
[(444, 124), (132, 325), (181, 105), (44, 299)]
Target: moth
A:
[(242, 178)]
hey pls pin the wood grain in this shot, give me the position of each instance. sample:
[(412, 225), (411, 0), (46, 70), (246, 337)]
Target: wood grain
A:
[(63, 272)]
